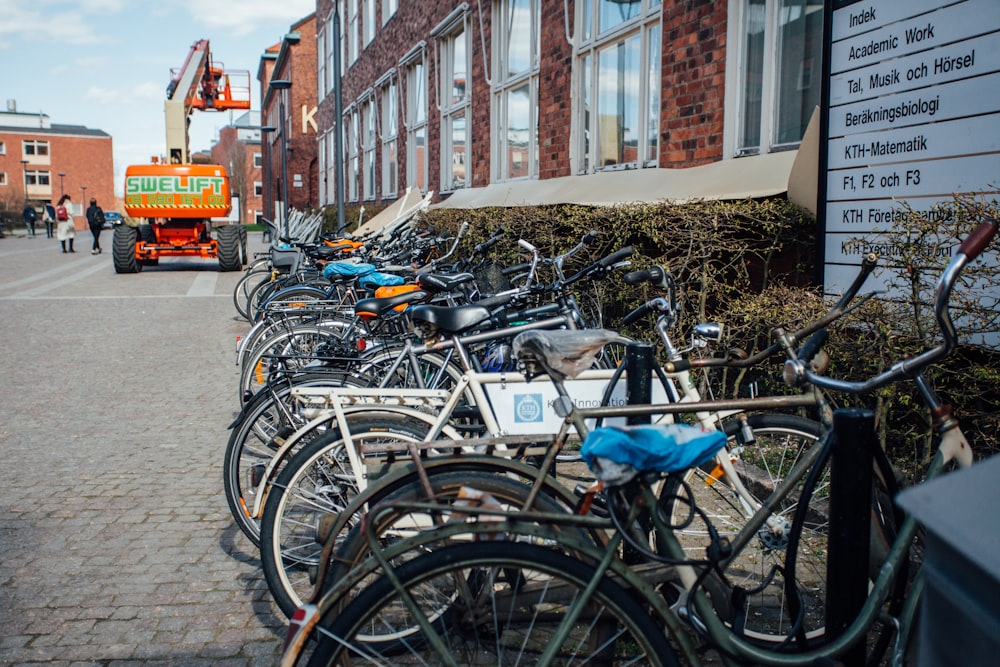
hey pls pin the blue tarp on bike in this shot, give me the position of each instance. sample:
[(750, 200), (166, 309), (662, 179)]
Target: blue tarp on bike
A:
[(347, 269), (665, 448)]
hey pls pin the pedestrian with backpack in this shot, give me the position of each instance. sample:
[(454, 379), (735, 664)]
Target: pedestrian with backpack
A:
[(49, 218), (65, 226), (30, 216), (95, 218)]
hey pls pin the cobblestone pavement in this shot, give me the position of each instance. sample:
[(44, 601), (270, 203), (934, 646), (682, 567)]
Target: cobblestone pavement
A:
[(116, 544)]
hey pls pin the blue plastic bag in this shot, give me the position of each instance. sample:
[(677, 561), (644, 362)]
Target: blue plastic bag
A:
[(634, 449)]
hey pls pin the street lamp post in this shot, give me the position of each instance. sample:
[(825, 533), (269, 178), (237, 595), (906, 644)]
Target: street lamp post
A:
[(268, 202), (83, 203), (338, 113), (282, 85), (24, 179), (62, 190)]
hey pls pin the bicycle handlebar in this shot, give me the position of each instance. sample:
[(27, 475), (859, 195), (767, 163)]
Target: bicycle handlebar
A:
[(796, 372)]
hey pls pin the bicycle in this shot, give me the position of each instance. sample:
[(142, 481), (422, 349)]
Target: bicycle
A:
[(560, 605)]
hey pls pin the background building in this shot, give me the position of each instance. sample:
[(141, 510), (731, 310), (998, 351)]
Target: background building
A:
[(42, 160), (238, 150), (291, 112), (481, 102)]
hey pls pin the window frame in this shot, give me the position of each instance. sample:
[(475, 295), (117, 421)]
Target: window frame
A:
[(454, 110), (368, 143), (389, 8), (389, 135), (591, 42), (417, 120), (736, 92), (351, 146), (505, 83), (35, 145)]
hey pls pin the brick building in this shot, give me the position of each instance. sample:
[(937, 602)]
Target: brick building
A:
[(238, 150), (490, 101), (44, 160), (293, 60)]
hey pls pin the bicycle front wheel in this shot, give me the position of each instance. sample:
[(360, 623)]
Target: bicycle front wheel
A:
[(495, 603)]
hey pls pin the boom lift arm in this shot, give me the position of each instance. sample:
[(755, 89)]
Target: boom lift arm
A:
[(202, 84)]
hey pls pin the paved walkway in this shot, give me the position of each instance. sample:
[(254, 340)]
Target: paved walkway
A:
[(116, 544)]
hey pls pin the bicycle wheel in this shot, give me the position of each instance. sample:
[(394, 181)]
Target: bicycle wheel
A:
[(246, 284), (398, 523), (259, 431), (288, 351), (762, 462), (495, 603), (318, 480)]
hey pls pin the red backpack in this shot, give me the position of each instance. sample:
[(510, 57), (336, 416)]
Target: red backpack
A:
[(62, 214)]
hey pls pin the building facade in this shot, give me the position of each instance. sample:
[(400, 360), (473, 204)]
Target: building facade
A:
[(41, 160), (444, 96), (239, 151), (288, 117)]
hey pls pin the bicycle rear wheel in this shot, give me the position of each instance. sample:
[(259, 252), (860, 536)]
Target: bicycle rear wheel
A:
[(762, 462), (495, 603)]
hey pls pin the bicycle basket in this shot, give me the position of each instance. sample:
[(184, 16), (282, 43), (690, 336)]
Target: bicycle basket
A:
[(491, 279)]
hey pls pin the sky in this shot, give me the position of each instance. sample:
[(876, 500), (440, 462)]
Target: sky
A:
[(105, 64)]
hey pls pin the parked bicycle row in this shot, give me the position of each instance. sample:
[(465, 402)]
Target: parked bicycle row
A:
[(407, 458)]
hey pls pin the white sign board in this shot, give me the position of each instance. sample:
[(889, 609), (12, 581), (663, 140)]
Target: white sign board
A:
[(913, 117)]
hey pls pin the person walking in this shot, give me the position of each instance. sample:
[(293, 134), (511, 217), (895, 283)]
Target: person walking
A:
[(95, 218), (30, 215), (49, 218), (65, 227)]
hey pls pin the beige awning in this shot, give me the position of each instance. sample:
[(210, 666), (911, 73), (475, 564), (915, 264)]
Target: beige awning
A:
[(740, 178), (396, 213)]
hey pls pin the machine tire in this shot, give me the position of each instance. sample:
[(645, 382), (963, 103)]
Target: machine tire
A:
[(123, 250), (244, 257), (146, 233), (228, 237)]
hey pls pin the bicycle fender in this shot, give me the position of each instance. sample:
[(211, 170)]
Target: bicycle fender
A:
[(955, 447)]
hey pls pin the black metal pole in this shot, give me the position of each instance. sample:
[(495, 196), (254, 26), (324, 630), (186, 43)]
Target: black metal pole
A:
[(638, 385), (338, 114), (850, 524), (284, 162)]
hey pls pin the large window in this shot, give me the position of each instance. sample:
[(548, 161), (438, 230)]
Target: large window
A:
[(32, 177), (389, 8), (516, 89), (351, 141), (353, 31), (368, 21), (774, 72), (323, 52), (368, 146), (389, 126), (35, 147), (620, 79), (416, 125), (454, 104)]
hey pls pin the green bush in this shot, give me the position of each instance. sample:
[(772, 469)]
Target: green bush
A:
[(751, 265)]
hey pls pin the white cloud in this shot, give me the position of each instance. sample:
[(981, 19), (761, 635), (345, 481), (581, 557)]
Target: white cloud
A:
[(245, 16)]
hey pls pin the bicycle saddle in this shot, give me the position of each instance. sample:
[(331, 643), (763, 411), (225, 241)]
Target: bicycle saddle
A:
[(562, 353), (451, 319)]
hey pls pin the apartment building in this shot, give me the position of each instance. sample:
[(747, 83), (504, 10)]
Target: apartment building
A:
[(41, 160), (524, 101), (239, 151), (287, 75)]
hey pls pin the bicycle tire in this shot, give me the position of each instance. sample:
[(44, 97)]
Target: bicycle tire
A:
[(779, 441), (514, 595), (446, 488), (296, 346), (255, 437), (241, 293), (317, 480)]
